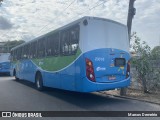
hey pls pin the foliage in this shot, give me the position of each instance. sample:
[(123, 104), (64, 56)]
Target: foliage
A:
[(146, 62), (155, 53), (153, 81), (141, 61), (10, 44), (155, 63), (143, 52)]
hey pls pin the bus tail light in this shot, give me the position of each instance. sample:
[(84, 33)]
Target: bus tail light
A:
[(128, 69), (90, 70)]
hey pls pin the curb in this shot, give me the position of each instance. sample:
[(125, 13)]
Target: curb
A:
[(131, 98)]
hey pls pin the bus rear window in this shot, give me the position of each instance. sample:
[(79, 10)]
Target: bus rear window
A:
[(120, 62)]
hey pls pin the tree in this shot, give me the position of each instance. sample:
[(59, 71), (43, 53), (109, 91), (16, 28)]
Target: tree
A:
[(155, 62), (10, 44), (155, 53), (143, 53)]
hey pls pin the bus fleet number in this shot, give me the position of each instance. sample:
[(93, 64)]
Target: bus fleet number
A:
[(99, 59)]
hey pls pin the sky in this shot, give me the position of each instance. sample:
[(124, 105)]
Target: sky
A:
[(27, 19)]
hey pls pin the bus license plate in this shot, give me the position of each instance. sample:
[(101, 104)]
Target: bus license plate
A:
[(112, 77)]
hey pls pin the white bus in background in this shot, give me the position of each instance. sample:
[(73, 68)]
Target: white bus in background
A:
[(4, 63)]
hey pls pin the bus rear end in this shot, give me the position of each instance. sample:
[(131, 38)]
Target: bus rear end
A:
[(106, 55), (106, 69), (4, 63)]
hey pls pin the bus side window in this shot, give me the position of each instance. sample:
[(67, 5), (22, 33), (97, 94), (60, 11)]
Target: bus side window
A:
[(74, 39), (25, 51), (65, 43), (52, 45), (69, 41), (41, 48), (33, 50), (29, 51), (11, 56), (22, 52), (19, 53), (56, 45), (48, 46), (14, 55)]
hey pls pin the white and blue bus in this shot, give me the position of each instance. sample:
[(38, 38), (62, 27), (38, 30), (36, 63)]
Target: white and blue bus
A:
[(4, 63), (89, 54)]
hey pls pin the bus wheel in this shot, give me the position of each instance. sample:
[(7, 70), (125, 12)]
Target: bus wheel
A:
[(39, 82), (14, 74)]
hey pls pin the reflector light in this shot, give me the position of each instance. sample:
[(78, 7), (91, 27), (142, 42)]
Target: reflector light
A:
[(128, 70)]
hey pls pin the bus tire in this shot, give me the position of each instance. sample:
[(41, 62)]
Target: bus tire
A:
[(39, 82), (15, 75)]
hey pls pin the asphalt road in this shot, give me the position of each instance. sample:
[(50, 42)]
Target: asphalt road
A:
[(22, 96)]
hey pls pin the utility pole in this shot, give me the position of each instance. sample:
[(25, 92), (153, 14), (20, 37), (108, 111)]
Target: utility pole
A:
[(131, 13), (0, 2)]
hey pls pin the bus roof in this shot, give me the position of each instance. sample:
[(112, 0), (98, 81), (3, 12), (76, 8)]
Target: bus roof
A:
[(66, 26)]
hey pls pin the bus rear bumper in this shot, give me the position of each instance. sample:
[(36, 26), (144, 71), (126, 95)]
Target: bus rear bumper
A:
[(90, 86)]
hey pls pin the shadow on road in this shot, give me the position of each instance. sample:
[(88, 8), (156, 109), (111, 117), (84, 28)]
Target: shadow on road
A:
[(83, 100)]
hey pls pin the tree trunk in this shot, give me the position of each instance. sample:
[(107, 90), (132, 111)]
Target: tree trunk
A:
[(144, 85)]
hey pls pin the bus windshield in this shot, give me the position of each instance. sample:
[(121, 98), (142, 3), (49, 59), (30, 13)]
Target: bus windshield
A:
[(4, 57)]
